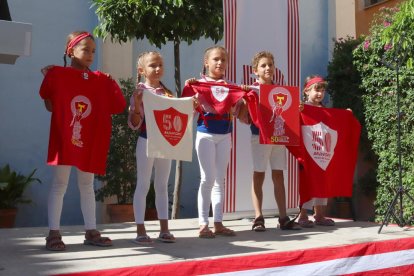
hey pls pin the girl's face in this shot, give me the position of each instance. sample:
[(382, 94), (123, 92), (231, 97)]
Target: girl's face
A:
[(83, 53), (152, 68), (265, 70), (315, 95), (216, 63)]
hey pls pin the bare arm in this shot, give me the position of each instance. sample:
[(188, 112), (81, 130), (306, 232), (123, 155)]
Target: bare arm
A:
[(48, 105)]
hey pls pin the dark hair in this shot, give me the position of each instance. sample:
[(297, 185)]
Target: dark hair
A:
[(317, 86), (69, 38), (207, 54)]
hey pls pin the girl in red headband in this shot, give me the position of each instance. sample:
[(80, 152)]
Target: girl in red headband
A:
[(314, 93), (81, 102)]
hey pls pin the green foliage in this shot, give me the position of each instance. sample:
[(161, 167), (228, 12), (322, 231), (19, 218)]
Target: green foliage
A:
[(344, 86), (121, 173), (159, 21), (386, 49), (12, 187)]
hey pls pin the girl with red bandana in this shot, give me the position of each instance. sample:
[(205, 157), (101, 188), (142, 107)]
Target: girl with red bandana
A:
[(81, 102)]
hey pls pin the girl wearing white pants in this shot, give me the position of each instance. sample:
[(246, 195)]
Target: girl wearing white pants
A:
[(213, 144), (150, 65)]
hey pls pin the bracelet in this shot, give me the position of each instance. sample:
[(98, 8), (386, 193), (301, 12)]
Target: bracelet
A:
[(138, 113)]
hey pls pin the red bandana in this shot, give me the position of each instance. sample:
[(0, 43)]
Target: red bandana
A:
[(76, 40)]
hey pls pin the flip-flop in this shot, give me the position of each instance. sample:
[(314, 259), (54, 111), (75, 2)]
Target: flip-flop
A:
[(142, 240), (225, 232), (166, 238), (206, 234)]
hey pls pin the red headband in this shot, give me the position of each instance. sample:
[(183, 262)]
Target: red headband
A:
[(76, 40), (313, 81)]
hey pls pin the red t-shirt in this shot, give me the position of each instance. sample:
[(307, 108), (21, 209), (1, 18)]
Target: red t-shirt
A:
[(81, 122)]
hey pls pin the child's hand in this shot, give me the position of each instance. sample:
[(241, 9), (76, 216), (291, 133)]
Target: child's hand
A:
[(190, 81), (245, 87), (301, 106), (46, 69), (196, 102)]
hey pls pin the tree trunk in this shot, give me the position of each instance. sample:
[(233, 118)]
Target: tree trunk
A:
[(178, 170)]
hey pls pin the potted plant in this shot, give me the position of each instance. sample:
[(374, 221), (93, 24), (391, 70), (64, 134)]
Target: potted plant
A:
[(12, 187), (120, 178)]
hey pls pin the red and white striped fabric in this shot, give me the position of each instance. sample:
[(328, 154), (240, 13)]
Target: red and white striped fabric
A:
[(246, 32), (391, 257)]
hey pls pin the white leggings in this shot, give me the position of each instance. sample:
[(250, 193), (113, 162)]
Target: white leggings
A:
[(213, 152), (162, 168), (57, 192)]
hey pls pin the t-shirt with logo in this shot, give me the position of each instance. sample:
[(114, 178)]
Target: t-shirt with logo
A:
[(80, 129)]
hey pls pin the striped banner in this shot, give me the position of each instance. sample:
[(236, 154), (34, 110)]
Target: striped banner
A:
[(390, 257), (248, 30)]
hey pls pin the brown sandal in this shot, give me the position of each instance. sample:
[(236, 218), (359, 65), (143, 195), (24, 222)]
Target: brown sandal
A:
[(259, 224), (93, 237), (55, 243), (288, 224)]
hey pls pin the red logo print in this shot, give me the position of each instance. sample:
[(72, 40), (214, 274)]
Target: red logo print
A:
[(172, 124)]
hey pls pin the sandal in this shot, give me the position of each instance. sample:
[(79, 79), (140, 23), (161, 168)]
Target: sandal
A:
[(305, 223), (206, 234), (287, 224), (55, 243), (225, 232), (143, 240), (324, 222), (259, 224), (166, 237), (93, 237)]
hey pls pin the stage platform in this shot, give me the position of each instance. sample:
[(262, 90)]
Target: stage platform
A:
[(341, 249)]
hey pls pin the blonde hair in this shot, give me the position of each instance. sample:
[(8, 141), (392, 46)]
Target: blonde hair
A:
[(316, 86), (260, 55), (69, 38), (207, 53), (141, 63)]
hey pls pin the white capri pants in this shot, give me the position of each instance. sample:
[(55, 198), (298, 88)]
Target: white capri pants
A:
[(262, 154), (308, 205), (57, 191), (162, 168), (213, 152)]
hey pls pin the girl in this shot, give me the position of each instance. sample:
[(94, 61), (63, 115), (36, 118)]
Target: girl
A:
[(314, 92), (264, 67), (213, 144), (81, 102), (150, 65)]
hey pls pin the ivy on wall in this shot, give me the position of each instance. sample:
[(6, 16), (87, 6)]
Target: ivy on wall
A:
[(384, 59)]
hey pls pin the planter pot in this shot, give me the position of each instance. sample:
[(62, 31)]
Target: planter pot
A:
[(120, 212), (343, 209), (151, 214), (7, 218)]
